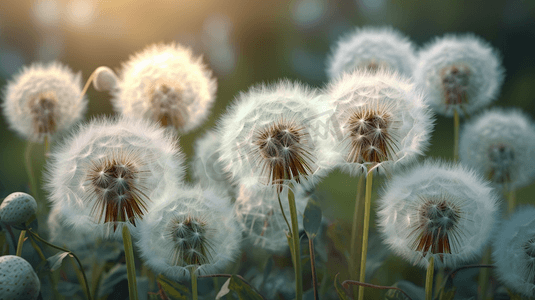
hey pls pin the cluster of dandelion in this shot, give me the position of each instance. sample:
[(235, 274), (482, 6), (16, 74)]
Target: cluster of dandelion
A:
[(121, 179)]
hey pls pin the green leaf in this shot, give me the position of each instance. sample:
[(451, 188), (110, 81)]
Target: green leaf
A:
[(224, 290), (512, 295), (242, 289), (340, 289), (55, 261), (174, 290), (447, 294), (312, 218)]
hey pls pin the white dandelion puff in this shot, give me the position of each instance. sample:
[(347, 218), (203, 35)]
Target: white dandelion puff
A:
[(267, 136), (500, 144), (110, 172), (372, 48), (259, 214), (437, 210), (514, 252), (104, 79), (43, 99), (381, 120), (191, 228), (165, 83), (459, 73)]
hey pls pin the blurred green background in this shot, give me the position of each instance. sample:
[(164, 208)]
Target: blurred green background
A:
[(248, 42)]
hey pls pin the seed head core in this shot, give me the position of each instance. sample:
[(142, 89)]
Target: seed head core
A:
[(191, 243), (501, 158), (455, 82), (43, 112), (167, 103)]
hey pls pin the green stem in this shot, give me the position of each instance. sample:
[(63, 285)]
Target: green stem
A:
[(36, 236), (130, 263), (21, 242), (53, 281), (313, 266), (455, 135), (356, 230), (29, 170), (194, 291), (484, 275), (429, 279), (511, 201), (367, 207), (295, 244)]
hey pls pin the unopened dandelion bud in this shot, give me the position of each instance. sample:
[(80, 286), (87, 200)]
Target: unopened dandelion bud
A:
[(104, 79), (43, 99), (435, 210), (17, 208), (18, 280)]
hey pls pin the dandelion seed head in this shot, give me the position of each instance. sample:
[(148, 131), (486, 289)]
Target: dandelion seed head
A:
[(42, 100), (462, 73), (514, 251), (111, 171), (165, 83), (383, 120), (437, 210), (105, 79), (371, 49), (192, 227), (18, 279), (499, 143)]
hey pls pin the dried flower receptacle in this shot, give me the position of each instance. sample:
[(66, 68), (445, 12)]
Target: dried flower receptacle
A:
[(455, 83), (169, 107), (191, 237)]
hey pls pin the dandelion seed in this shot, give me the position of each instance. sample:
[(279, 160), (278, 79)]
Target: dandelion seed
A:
[(437, 210), (43, 100), (499, 143), (371, 49), (191, 228), (110, 172), (165, 83), (382, 118), (459, 73), (514, 252)]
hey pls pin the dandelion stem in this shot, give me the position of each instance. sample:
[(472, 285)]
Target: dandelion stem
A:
[(283, 214), (21, 241), (484, 275), (455, 135), (367, 206), (53, 280), (88, 82), (194, 291), (429, 279), (130, 263), (356, 230), (295, 248), (313, 266), (29, 170), (511, 201)]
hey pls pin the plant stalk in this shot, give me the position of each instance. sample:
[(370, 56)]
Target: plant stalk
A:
[(484, 275), (130, 263), (295, 244), (194, 292), (367, 208), (456, 126), (429, 279), (356, 230), (313, 266), (21, 242)]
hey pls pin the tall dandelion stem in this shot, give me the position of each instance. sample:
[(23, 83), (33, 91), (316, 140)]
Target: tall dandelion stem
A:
[(130, 264), (29, 170), (484, 275), (194, 292), (367, 206), (295, 248), (511, 200), (456, 135), (429, 279), (356, 243), (21, 242)]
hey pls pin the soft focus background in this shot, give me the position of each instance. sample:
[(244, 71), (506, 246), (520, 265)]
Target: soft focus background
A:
[(249, 42)]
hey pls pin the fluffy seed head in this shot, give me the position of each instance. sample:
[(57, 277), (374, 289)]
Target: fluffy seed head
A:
[(268, 136), (18, 280), (191, 227), (514, 251), (42, 100), (462, 73), (105, 79), (259, 214), (371, 49), (437, 210), (17, 208), (110, 172), (499, 143), (379, 120), (165, 83)]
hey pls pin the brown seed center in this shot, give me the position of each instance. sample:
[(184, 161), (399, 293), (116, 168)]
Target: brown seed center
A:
[(167, 104), (455, 81), (501, 158), (43, 110), (190, 240)]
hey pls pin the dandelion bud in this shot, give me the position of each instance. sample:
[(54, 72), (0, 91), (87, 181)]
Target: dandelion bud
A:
[(371, 49), (17, 208), (43, 99), (165, 83), (111, 172), (267, 136), (459, 73), (500, 144), (381, 120), (514, 252), (191, 228), (436, 210), (18, 280), (105, 79)]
